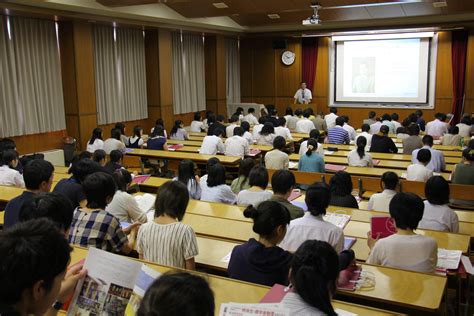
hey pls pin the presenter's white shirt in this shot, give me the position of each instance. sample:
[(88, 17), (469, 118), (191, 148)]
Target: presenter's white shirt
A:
[(304, 126), (303, 96)]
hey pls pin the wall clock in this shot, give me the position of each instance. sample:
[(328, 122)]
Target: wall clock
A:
[(288, 57)]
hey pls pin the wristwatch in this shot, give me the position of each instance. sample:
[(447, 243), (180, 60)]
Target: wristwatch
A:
[(57, 305)]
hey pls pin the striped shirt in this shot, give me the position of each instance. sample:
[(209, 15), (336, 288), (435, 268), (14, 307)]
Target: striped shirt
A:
[(170, 244), (338, 135), (98, 229)]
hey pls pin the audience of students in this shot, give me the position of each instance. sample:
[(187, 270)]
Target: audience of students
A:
[(381, 201), (340, 186), (293, 119), (283, 184), (276, 158), (187, 176), (242, 181), (405, 249), (114, 142), (319, 122), (157, 140), (123, 205), (136, 141), (214, 189), (359, 157), (282, 130), (437, 214), (413, 141), (337, 134), (267, 135), (197, 125), (365, 128), (178, 132), (418, 171), (8, 174), (262, 261), (257, 193), (437, 162), (382, 143), (371, 118), (236, 145), (95, 142), (250, 117), (311, 161), (166, 240)]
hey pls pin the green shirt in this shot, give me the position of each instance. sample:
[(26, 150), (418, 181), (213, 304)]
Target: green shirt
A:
[(294, 210), (239, 184)]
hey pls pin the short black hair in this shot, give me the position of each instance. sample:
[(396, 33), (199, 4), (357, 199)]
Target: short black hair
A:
[(234, 118), (468, 153), (176, 294), (220, 118), (251, 110), (372, 114), (386, 117), (211, 162), (36, 172), (98, 187), (8, 156), (121, 127), (238, 131), (394, 117), (341, 184), (454, 130), (279, 142), (172, 199), (317, 198), (314, 133), (298, 112), (289, 111), (401, 130), (390, 180), (30, 252), (306, 113), (340, 121), (384, 129), (7, 143), (122, 178), (423, 155), (258, 177), (245, 126), (281, 121), (267, 129), (427, 140), (407, 210), (283, 181), (99, 155), (413, 129), (333, 110), (115, 133), (267, 216), (262, 120), (197, 116), (437, 190), (83, 168), (365, 127), (218, 132), (116, 155), (54, 206), (216, 175)]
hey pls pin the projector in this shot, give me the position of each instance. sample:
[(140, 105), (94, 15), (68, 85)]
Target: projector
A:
[(314, 20)]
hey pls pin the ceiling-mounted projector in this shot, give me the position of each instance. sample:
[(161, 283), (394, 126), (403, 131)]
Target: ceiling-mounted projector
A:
[(314, 19)]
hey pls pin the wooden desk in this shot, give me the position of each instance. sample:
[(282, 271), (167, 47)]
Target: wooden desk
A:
[(175, 155), (61, 169), (154, 182), (2, 217), (59, 176), (451, 151), (184, 142), (396, 157), (378, 172), (194, 137), (7, 193)]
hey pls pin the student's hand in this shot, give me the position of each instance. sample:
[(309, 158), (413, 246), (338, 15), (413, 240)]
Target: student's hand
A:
[(76, 273), (132, 228), (197, 178), (371, 241)]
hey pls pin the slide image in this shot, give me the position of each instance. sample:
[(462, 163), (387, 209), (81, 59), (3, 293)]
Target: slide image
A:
[(363, 74)]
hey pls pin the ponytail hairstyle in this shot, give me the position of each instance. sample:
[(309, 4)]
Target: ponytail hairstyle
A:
[(267, 217), (176, 126), (312, 146), (96, 134), (313, 274), (361, 143)]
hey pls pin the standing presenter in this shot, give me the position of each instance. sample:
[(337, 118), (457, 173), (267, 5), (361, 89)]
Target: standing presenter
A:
[(303, 95)]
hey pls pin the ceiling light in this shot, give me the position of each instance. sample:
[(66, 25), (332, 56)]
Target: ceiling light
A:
[(273, 16), (440, 4), (220, 5)]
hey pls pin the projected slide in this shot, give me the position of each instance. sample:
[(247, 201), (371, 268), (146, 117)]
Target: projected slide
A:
[(388, 70)]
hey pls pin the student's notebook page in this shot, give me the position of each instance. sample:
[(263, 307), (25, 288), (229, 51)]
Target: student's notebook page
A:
[(145, 202), (108, 285), (145, 278), (340, 220), (237, 309), (448, 259)]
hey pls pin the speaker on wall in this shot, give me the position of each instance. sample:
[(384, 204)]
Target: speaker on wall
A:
[(279, 43)]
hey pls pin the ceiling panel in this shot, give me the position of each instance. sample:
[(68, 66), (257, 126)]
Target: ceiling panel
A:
[(383, 12), (419, 9)]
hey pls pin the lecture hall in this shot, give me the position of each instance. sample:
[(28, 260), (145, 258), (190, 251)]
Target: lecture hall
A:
[(236, 157)]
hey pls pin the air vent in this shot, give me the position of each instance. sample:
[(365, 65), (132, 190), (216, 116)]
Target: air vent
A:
[(220, 5), (440, 4), (273, 16)]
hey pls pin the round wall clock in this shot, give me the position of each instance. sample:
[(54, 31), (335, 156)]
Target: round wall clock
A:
[(288, 57)]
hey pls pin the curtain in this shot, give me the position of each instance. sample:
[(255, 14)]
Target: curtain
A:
[(232, 64), (310, 59), (189, 88), (120, 74), (459, 53), (31, 95)]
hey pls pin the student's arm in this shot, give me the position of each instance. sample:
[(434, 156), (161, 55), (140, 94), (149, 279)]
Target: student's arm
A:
[(136, 214), (220, 147), (370, 205), (190, 248), (165, 146), (246, 148), (393, 147), (190, 264)]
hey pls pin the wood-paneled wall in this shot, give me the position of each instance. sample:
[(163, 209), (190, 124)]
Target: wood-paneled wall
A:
[(264, 78)]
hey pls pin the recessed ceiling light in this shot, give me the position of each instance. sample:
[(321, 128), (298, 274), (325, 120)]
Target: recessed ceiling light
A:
[(440, 4), (274, 16), (220, 5)]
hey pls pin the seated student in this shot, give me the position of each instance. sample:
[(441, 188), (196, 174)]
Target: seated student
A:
[(293, 119), (157, 140), (53, 206), (166, 240), (413, 141), (331, 117), (402, 133), (272, 115), (283, 184), (311, 161), (34, 257), (337, 134), (229, 130), (239, 112), (314, 134), (381, 201), (93, 226), (262, 261), (216, 122), (348, 128), (313, 273), (136, 141), (197, 126), (159, 122), (452, 138), (395, 122), (113, 143), (187, 177), (375, 127), (267, 135), (206, 122), (405, 249), (418, 171), (178, 132), (463, 173), (438, 127), (312, 224), (250, 117), (212, 144), (437, 214), (340, 186), (96, 141), (276, 158), (436, 163), (387, 121), (381, 143), (304, 125), (257, 193), (365, 133), (247, 135), (258, 128), (359, 157), (100, 157), (38, 176), (466, 127), (319, 122), (371, 120), (123, 205), (6, 144), (211, 162), (236, 145), (121, 127), (242, 181), (8, 174), (115, 162), (178, 293), (215, 189), (282, 130)]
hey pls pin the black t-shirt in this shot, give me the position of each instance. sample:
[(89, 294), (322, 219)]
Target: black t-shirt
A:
[(71, 189), (12, 210), (344, 201), (382, 144)]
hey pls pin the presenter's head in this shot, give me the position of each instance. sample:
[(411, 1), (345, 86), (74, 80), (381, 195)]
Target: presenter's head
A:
[(303, 85)]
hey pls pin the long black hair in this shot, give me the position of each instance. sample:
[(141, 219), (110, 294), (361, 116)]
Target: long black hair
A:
[(96, 134), (186, 173), (314, 271), (245, 167), (312, 146), (176, 126), (361, 143)]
